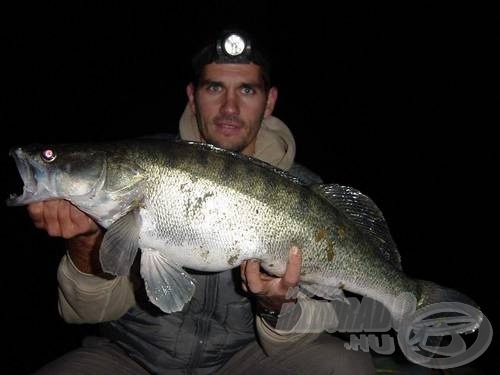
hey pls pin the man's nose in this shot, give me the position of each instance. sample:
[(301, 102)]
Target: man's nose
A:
[(230, 104)]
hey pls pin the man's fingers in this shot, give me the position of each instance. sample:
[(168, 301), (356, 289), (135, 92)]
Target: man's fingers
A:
[(242, 271), (252, 276), (81, 222), (292, 272), (76, 216), (252, 272), (35, 210), (50, 210), (60, 218), (63, 211), (258, 282), (64, 219), (50, 216)]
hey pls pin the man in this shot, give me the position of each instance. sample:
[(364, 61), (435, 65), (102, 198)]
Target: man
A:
[(230, 105)]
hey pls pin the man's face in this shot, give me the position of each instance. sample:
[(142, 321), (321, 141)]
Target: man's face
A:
[(230, 104)]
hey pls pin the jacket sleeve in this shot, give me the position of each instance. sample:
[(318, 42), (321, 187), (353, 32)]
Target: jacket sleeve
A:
[(86, 298), (316, 316)]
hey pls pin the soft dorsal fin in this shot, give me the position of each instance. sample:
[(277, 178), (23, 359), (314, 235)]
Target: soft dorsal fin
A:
[(361, 210)]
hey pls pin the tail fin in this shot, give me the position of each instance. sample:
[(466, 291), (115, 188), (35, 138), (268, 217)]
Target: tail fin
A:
[(444, 301), (433, 330), (431, 292)]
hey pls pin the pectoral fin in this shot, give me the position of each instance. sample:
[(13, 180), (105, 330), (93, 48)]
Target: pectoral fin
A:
[(119, 245), (168, 285)]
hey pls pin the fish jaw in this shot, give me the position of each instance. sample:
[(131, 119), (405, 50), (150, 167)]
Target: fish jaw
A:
[(43, 181), (33, 191), (103, 187)]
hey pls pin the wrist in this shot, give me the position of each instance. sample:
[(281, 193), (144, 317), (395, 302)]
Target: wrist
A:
[(273, 303), (84, 252), (287, 314)]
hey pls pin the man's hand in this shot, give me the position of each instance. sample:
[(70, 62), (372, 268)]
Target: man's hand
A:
[(61, 219), (271, 291)]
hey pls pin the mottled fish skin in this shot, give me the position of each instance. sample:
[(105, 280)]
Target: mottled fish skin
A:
[(209, 209), (217, 219)]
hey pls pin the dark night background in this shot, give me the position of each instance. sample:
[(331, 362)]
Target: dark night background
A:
[(390, 99)]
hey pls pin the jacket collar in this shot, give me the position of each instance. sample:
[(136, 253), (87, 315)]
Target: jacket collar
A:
[(275, 143)]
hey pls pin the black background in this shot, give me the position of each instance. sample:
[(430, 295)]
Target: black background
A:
[(390, 99)]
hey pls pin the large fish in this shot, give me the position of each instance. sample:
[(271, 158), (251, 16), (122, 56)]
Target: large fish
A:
[(193, 205)]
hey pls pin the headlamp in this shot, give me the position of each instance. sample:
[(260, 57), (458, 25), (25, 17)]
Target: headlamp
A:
[(234, 48), (231, 47)]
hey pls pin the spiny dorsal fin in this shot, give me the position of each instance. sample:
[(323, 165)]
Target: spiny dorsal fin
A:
[(365, 214)]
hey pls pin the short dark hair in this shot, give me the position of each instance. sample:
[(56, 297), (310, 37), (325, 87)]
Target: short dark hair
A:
[(214, 52)]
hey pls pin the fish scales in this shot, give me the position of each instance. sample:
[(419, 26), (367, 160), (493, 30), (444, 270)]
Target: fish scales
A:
[(270, 227)]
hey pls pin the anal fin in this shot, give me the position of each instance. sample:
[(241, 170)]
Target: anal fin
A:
[(328, 292)]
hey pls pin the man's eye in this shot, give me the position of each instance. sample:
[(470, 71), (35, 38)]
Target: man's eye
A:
[(247, 90), (213, 87)]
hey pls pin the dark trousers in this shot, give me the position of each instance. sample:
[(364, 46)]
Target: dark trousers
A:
[(325, 355)]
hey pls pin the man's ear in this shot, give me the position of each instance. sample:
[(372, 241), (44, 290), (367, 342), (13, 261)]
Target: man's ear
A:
[(272, 96), (190, 94)]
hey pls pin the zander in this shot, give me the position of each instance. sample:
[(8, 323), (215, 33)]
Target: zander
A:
[(194, 205)]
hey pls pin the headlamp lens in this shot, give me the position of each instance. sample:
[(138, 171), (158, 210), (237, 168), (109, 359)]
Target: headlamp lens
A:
[(234, 45)]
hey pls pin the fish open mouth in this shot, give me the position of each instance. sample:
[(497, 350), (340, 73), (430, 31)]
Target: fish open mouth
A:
[(30, 191)]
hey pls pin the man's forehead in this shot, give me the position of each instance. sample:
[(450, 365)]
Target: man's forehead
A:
[(244, 72)]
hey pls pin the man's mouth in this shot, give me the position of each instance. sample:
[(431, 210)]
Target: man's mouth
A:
[(228, 127)]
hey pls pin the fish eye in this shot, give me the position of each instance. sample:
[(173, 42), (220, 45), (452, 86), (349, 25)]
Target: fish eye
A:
[(48, 155)]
